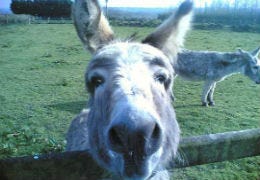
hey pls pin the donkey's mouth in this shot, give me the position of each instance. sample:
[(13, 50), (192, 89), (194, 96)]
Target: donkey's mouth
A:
[(136, 172), (138, 167), (135, 169)]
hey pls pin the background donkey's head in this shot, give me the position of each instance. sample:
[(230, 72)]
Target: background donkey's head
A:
[(252, 64), (132, 127)]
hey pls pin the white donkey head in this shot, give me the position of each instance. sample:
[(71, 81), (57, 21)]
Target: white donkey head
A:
[(131, 125)]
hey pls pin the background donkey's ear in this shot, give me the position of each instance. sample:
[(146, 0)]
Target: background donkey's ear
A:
[(169, 36), (92, 27), (256, 52)]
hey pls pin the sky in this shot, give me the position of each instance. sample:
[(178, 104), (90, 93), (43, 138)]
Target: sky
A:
[(130, 3), (4, 4), (150, 3)]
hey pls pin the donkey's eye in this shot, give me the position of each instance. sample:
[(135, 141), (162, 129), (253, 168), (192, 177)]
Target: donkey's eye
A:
[(96, 81), (161, 78)]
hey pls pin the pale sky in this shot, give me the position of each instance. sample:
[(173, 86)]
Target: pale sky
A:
[(132, 3), (150, 3), (140, 3), (4, 4)]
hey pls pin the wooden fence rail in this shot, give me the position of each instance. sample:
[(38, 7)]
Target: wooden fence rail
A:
[(195, 150)]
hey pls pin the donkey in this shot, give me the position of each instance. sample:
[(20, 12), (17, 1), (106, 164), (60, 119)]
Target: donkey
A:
[(130, 127), (213, 67)]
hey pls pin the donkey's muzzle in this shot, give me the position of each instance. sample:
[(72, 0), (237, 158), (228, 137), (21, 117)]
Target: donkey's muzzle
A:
[(135, 135)]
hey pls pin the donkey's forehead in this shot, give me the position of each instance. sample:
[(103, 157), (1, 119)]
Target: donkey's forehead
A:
[(126, 52)]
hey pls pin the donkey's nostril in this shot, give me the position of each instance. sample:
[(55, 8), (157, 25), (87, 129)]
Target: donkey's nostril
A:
[(116, 139), (155, 140), (156, 133)]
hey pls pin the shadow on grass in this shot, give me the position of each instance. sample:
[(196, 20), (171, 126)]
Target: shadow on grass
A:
[(72, 107)]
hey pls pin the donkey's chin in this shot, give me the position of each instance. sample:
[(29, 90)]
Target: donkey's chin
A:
[(137, 171)]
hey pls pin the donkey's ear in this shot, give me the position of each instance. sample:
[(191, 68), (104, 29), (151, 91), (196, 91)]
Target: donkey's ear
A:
[(256, 52), (169, 36), (92, 27)]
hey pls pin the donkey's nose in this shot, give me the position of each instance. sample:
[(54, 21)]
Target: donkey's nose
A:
[(138, 136)]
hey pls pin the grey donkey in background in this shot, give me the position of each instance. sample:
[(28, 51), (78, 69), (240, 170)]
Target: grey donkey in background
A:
[(213, 67), (130, 127)]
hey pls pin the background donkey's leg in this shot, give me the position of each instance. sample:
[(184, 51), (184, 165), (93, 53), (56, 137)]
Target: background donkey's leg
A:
[(205, 92), (210, 95)]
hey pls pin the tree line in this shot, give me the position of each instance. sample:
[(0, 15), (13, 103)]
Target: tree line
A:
[(241, 15), (42, 8)]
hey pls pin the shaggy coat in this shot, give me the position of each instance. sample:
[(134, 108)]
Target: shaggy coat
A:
[(130, 127)]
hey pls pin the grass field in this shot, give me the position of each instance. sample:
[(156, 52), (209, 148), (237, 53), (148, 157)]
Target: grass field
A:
[(42, 89)]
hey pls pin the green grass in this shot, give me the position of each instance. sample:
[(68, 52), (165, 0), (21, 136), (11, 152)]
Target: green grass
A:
[(42, 89)]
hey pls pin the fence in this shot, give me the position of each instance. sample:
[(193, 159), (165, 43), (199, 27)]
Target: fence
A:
[(27, 19), (197, 150)]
